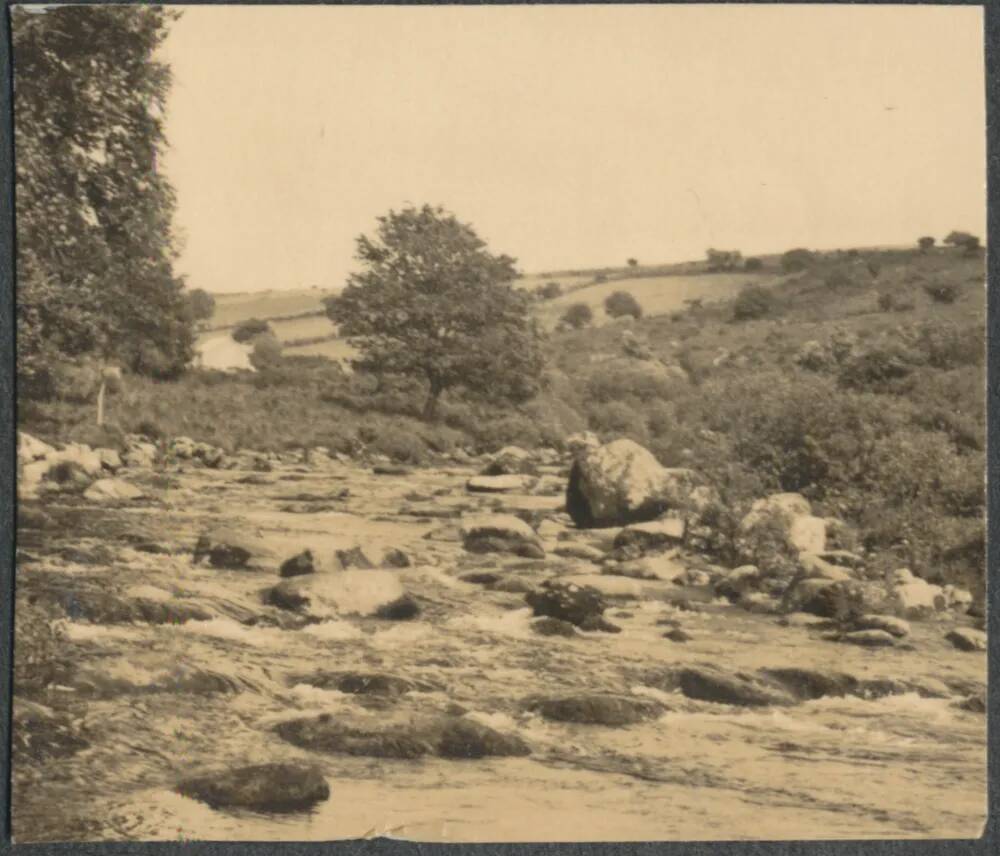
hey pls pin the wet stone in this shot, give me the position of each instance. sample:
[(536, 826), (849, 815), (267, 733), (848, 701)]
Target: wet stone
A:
[(403, 608), (298, 565), (597, 709), (553, 627), (275, 788)]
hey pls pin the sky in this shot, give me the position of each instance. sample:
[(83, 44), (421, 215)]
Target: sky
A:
[(569, 137)]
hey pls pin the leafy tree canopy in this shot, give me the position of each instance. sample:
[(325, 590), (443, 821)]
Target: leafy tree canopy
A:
[(95, 246), (433, 302)]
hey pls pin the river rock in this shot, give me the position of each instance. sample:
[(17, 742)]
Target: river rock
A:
[(869, 638), (354, 558), (913, 597), (445, 737), (354, 592), (275, 788), (510, 460), (663, 567), (566, 601), (792, 511), (298, 565), (609, 586), (111, 490), (736, 688), (500, 533), (363, 683), (140, 454), (735, 583), (678, 634), (890, 624), (809, 684), (498, 484), (31, 448), (655, 535), (622, 483), (395, 558), (229, 549), (548, 626), (968, 639), (596, 709), (403, 608), (579, 551)]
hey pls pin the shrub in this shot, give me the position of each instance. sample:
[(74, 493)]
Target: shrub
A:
[(549, 291), (878, 369), (266, 351), (753, 264), (247, 330), (963, 240), (615, 419), (601, 277), (925, 243), (620, 304), (838, 278), (942, 292), (797, 259), (400, 442), (578, 315), (752, 303)]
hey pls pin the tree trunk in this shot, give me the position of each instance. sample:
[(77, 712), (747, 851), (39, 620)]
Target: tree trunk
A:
[(100, 402), (430, 405)]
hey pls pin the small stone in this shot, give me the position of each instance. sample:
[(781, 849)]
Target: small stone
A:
[(298, 565)]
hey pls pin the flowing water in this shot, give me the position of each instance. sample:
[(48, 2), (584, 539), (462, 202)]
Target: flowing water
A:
[(904, 765)]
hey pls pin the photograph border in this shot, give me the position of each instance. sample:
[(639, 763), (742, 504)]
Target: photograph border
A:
[(989, 843)]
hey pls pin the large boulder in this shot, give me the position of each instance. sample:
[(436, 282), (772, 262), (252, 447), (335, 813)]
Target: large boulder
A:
[(735, 688), (31, 448), (500, 533), (793, 514), (621, 483), (276, 788), (968, 639), (80, 455), (140, 454), (913, 597)]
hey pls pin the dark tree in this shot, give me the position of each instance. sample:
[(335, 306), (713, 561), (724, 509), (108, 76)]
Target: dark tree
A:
[(432, 302), (622, 303), (753, 302), (753, 264), (201, 304), (578, 315), (550, 291), (251, 329), (95, 246), (633, 263), (797, 259), (925, 243)]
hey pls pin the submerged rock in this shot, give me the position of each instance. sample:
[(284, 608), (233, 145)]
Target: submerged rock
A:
[(277, 788), (354, 558), (890, 624), (362, 683), (596, 709), (354, 592), (401, 609), (870, 638)]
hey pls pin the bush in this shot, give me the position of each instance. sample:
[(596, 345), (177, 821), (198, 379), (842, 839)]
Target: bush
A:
[(549, 291), (878, 369), (963, 240), (797, 259), (247, 330), (942, 292), (752, 303), (615, 419), (753, 264), (578, 315), (925, 243), (266, 351), (620, 304), (601, 277)]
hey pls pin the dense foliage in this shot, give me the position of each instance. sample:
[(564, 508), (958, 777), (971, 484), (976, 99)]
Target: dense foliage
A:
[(94, 239), (432, 302)]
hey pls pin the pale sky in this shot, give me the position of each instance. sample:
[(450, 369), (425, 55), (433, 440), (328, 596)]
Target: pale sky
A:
[(569, 137)]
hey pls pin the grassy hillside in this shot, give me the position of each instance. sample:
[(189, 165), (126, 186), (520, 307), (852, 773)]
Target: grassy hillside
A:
[(859, 382)]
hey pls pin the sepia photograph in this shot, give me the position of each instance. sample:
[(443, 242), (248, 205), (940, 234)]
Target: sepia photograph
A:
[(499, 423)]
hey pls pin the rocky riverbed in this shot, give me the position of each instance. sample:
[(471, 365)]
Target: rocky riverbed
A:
[(320, 650)]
